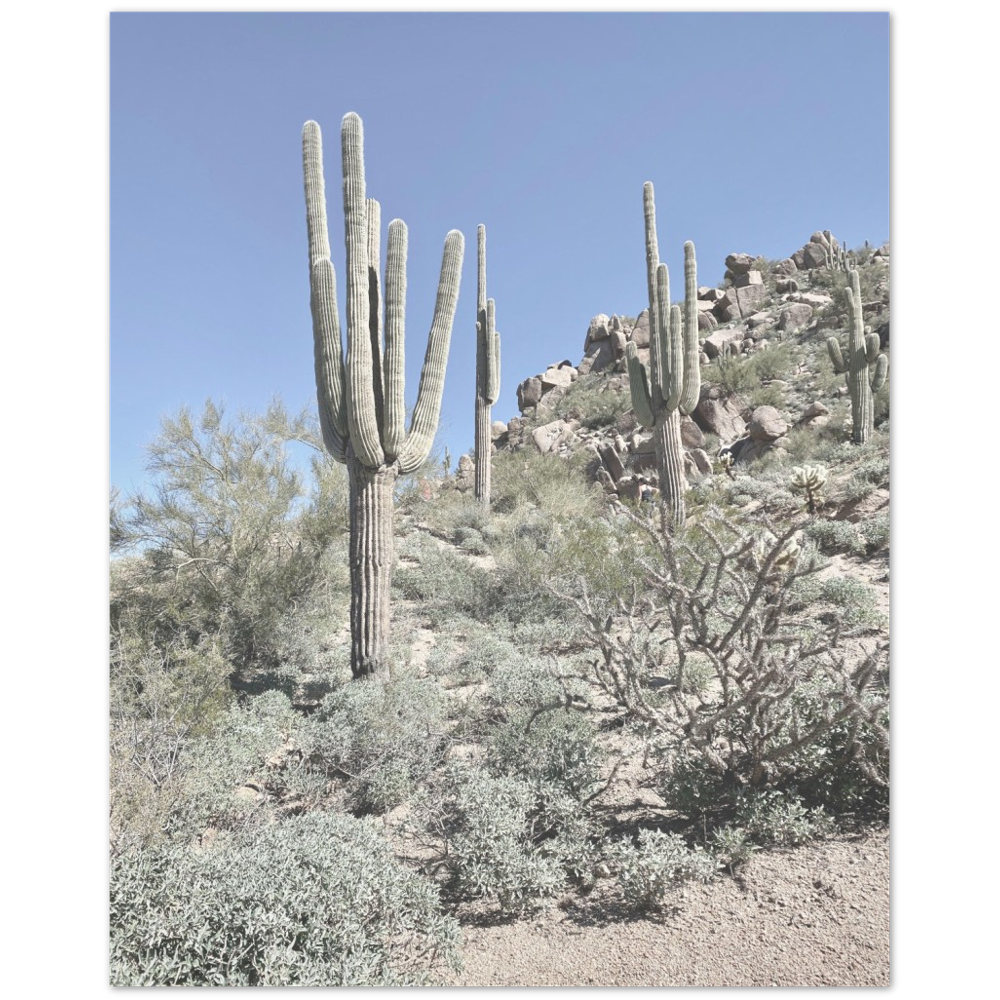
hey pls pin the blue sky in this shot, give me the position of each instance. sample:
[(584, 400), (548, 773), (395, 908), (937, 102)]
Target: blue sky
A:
[(756, 129)]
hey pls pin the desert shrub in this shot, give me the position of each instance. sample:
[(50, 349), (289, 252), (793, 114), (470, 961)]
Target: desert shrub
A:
[(732, 373), (161, 699), (875, 532), (508, 840), (733, 594), (870, 475), (557, 747), (235, 776), (768, 395), (657, 865), (383, 738), (855, 602), (774, 363), (834, 536), (732, 846), (316, 900), (447, 585), (773, 818), (584, 401)]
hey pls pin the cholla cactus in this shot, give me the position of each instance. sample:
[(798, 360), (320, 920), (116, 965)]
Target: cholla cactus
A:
[(727, 462), (487, 375), (672, 386), (810, 480), (362, 408), (863, 353)]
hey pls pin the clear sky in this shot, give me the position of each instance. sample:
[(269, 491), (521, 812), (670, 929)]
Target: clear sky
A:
[(756, 129)]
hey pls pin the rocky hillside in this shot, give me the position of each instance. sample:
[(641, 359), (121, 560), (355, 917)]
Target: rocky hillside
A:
[(765, 371)]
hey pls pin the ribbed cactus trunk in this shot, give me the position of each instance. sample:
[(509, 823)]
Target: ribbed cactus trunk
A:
[(487, 375), (670, 468), (862, 353), (361, 401), (372, 562), (672, 386)]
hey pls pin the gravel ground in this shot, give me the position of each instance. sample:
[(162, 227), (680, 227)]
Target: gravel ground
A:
[(812, 916)]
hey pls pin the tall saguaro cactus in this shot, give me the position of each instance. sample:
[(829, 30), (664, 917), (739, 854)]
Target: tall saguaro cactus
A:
[(362, 408), (862, 354), (672, 386), (487, 374)]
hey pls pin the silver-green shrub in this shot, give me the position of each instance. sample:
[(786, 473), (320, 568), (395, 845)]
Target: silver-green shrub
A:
[(316, 900), (658, 865)]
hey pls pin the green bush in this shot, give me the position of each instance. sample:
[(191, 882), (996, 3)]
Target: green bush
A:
[(855, 602), (659, 864), (384, 739), (557, 747), (875, 532), (317, 900), (508, 840), (834, 536), (593, 408)]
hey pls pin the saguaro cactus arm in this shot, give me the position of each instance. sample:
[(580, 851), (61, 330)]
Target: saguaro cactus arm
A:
[(394, 434), (361, 411), (691, 395), (428, 406), (492, 387), (638, 382)]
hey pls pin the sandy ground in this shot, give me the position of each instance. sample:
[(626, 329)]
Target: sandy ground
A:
[(811, 916)]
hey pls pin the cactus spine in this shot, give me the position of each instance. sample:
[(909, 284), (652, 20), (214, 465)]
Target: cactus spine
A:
[(672, 386), (362, 408), (862, 353), (487, 374)]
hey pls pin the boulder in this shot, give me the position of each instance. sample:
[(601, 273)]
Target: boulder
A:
[(497, 429), (706, 321), (814, 410), (606, 481), (715, 344), (618, 342), (739, 263), (750, 278), (785, 267), (612, 462), (701, 461), (718, 413), (529, 393), (598, 330), (813, 255), (640, 332), (814, 299), (555, 377), (548, 435), (600, 355), (767, 424), (795, 316), (691, 434), (749, 297), (759, 319)]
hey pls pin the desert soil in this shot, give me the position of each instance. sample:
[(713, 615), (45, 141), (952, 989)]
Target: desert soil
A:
[(816, 915)]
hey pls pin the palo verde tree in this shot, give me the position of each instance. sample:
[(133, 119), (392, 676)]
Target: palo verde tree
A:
[(487, 375), (362, 409), (672, 386)]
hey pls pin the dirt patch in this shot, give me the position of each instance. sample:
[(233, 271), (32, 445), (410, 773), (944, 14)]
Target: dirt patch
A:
[(813, 916)]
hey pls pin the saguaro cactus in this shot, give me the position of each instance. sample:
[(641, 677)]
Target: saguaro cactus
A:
[(865, 366), (487, 374), (361, 403), (672, 386)]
